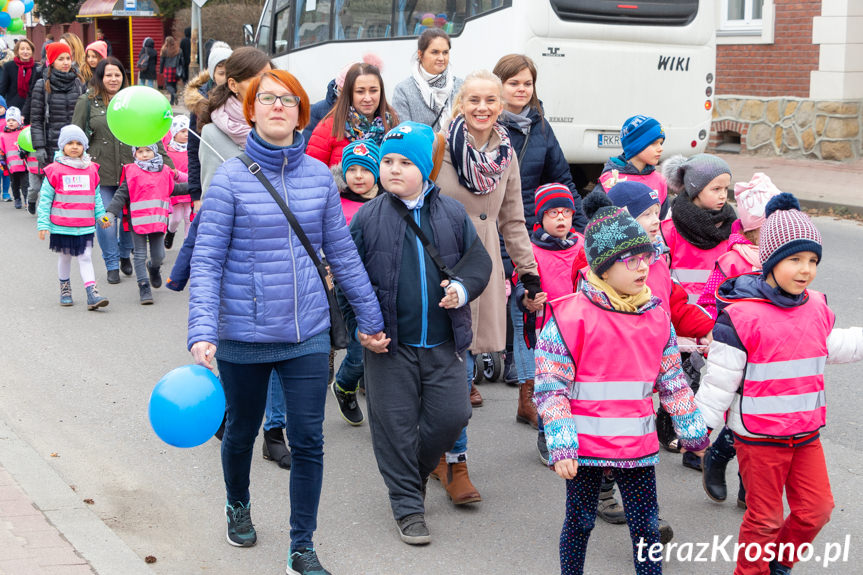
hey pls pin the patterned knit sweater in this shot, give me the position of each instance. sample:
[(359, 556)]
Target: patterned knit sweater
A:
[(554, 381)]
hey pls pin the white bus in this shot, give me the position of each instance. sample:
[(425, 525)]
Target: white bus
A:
[(599, 61)]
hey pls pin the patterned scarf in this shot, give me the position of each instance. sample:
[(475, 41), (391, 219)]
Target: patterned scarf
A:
[(154, 164), (25, 71), (478, 171), (359, 127)]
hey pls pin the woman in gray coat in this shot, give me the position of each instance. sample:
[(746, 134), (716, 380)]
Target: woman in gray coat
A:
[(427, 96)]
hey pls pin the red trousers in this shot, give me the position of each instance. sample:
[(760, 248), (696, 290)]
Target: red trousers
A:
[(767, 471)]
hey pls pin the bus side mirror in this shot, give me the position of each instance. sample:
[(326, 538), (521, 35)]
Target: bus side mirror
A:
[(248, 34)]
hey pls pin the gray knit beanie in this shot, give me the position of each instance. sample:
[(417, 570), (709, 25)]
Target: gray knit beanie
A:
[(72, 133), (692, 175)]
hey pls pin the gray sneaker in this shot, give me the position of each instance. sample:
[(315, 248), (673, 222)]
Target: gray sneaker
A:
[(305, 562), (413, 529), (241, 532)]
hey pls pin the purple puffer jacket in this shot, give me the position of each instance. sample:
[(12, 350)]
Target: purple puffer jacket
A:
[(252, 280)]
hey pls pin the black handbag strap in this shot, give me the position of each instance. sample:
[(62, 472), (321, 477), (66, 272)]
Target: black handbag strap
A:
[(255, 169), (429, 247)]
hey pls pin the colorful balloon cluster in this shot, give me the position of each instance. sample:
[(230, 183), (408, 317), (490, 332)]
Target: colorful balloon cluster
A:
[(12, 12)]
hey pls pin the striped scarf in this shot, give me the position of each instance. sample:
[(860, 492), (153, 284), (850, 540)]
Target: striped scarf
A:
[(478, 171)]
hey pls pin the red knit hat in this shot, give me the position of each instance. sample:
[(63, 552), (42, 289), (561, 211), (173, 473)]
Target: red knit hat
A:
[(53, 51)]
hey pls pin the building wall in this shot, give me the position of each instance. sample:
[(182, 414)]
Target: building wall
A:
[(779, 69)]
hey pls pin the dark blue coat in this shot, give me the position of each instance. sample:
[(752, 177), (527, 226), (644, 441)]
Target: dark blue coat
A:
[(320, 109), (193, 149)]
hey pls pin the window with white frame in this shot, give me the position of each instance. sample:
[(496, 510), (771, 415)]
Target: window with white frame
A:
[(742, 16)]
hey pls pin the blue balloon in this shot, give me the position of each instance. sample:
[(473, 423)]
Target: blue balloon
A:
[(187, 406), (5, 19), (28, 5)]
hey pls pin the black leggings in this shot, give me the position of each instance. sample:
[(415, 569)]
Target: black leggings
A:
[(19, 184)]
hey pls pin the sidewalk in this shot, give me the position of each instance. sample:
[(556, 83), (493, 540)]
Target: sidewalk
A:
[(817, 184), (45, 527)]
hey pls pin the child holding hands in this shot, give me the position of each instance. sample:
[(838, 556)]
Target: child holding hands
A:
[(597, 407), (69, 206)]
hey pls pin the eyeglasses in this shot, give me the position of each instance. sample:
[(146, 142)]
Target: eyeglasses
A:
[(288, 100), (634, 262), (554, 212)]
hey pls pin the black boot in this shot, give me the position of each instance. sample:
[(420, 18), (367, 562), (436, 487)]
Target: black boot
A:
[(113, 276), (510, 373), (221, 431), (126, 266), (146, 296), (609, 510), (155, 275), (741, 494), (275, 449), (169, 240), (713, 476)]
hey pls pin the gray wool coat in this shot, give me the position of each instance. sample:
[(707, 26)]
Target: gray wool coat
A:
[(409, 104)]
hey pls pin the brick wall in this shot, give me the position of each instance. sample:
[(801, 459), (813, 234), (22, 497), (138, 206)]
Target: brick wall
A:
[(778, 69)]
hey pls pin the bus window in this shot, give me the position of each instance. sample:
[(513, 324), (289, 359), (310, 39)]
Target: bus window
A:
[(358, 20), (414, 16), (312, 22), (282, 40), (263, 40)]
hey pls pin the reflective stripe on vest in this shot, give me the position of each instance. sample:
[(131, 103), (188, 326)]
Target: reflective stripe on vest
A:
[(783, 386), (9, 143), (149, 193), (611, 400), (74, 202), (690, 265)]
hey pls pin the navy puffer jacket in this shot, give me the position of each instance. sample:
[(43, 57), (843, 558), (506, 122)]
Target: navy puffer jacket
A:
[(252, 280), (319, 109), (541, 162)]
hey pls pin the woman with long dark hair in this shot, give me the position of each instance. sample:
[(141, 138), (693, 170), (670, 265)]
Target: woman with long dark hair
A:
[(171, 62), (361, 112)]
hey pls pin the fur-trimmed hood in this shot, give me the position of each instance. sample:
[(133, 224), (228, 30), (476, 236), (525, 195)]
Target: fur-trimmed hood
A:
[(195, 95)]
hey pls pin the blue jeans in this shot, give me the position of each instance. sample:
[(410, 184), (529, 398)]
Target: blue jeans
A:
[(351, 369), (521, 354), (112, 248), (4, 185), (275, 403), (461, 443), (146, 82), (304, 383)]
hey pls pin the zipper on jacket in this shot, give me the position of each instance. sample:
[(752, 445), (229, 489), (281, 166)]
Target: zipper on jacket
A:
[(293, 258), (423, 286)]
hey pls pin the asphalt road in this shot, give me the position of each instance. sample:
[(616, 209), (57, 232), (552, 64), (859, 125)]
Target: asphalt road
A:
[(76, 383)]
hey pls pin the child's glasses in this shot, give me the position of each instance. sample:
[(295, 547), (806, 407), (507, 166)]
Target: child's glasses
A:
[(554, 212), (632, 263), (288, 100)]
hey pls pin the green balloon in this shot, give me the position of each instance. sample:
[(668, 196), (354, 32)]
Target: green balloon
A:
[(25, 142), (139, 116), (16, 27)]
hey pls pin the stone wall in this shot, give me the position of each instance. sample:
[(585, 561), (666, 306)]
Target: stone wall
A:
[(797, 127)]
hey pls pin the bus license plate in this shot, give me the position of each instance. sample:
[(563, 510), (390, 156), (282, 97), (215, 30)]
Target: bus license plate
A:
[(609, 140)]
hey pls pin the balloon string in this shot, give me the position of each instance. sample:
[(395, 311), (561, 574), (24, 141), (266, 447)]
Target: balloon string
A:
[(200, 139)]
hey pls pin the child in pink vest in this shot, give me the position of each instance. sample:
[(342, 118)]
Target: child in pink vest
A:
[(11, 157), (701, 218), (357, 175), (175, 143), (597, 406), (145, 191), (69, 206), (765, 380), (642, 138)]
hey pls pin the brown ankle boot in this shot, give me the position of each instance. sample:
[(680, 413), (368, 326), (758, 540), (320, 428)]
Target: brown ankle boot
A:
[(457, 483), (439, 472), (475, 397), (526, 409)]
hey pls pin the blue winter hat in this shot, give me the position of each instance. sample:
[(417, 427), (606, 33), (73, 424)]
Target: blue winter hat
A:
[(636, 197), (637, 133), (3, 102), (414, 141), (72, 133), (363, 153)]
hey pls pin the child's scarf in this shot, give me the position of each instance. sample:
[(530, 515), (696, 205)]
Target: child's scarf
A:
[(625, 303)]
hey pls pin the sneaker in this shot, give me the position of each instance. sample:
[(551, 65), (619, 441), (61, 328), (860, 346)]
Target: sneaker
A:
[(66, 293), (155, 275), (94, 300), (18, 204), (126, 266), (31, 207), (169, 240), (413, 529), (542, 447), (241, 532), (144, 293), (777, 568), (348, 406), (510, 373), (7, 199), (305, 562)]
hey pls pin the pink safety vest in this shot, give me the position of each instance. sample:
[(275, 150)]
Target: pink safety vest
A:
[(181, 164), (148, 198), (350, 208), (74, 194), (732, 264), (612, 400), (556, 273), (659, 281), (9, 142), (689, 265), (783, 386), (654, 180)]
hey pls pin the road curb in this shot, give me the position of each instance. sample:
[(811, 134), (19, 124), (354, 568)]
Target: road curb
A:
[(91, 538)]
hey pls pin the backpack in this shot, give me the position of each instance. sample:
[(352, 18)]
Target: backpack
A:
[(144, 59)]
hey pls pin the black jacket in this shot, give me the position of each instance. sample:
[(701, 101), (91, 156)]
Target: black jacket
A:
[(9, 85), (149, 73), (50, 111)]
